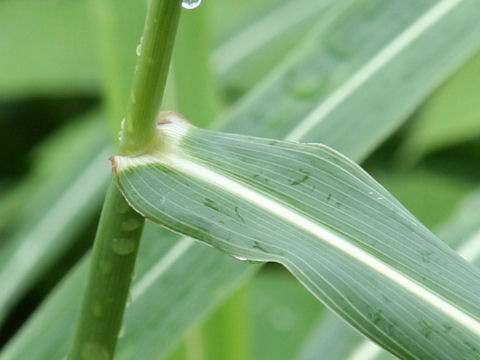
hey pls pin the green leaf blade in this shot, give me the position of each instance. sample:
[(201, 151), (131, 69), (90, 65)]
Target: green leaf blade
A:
[(311, 209), (373, 60), (460, 231), (63, 202)]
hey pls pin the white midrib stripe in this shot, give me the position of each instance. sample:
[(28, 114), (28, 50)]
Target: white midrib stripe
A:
[(470, 251), (375, 64), (324, 234)]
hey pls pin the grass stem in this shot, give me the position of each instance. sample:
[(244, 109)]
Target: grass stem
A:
[(111, 270), (120, 227), (154, 51)]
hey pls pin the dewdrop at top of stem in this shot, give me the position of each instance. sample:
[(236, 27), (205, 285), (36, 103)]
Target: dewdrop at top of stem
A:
[(191, 4)]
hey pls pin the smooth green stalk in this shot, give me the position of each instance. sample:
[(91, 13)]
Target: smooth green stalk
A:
[(120, 227), (154, 52), (111, 270)]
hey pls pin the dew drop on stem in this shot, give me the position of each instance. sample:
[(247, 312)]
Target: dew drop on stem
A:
[(92, 350), (97, 309), (106, 267), (191, 4), (304, 85), (130, 224), (123, 246)]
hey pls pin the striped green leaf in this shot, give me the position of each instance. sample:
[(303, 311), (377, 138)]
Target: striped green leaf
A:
[(433, 128), (56, 209), (321, 216), (246, 55), (357, 77), (462, 232)]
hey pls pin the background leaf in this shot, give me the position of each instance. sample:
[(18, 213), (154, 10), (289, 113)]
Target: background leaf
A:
[(54, 213), (37, 37), (374, 61), (451, 116), (246, 55)]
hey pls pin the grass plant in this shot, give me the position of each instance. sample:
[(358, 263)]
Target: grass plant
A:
[(310, 123)]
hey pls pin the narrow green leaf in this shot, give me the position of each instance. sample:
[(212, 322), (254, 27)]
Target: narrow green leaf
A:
[(53, 214), (67, 61), (282, 314), (317, 213), (247, 54), (360, 75), (462, 232), (267, 318), (228, 330), (450, 116), (336, 340)]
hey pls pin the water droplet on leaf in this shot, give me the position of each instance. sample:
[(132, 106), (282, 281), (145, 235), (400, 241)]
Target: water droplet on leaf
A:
[(130, 224), (97, 309), (106, 267), (139, 49), (240, 258), (191, 4), (305, 85)]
